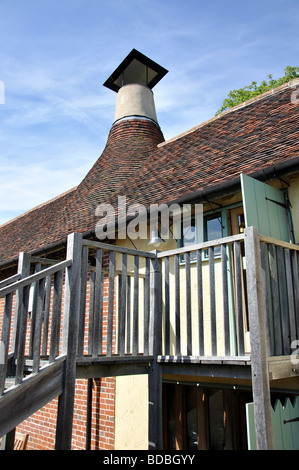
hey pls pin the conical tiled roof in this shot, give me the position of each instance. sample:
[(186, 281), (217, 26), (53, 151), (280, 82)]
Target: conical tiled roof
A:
[(129, 146)]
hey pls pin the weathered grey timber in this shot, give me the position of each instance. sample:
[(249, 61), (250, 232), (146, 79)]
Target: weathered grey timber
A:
[(258, 339), (225, 299), (155, 373), (69, 342), (130, 340), (5, 340), (212, 301), (18, 403)]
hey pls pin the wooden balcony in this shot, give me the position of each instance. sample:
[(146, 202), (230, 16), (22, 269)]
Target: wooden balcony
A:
[(226, 307)]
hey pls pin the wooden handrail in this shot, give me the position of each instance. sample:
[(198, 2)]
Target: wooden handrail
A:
[(119, 249), (34, 277), (201, 246), (274, 241)]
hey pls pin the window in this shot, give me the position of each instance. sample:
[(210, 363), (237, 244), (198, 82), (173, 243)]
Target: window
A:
[(212, 227), (216, 224)]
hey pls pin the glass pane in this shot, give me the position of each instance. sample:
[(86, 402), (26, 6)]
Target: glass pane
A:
[(189, 235), (189, 238), (216, 420), (213, 228), (191, 418), (171, 417)]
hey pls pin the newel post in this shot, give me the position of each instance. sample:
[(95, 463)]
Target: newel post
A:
[(69, 342), (155, 344), (258, 340)]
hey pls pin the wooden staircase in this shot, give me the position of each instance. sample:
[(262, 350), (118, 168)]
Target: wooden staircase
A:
[(48, 336), (107, 310)]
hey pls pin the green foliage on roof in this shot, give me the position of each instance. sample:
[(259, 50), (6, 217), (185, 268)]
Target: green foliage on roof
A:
[(236, 97)]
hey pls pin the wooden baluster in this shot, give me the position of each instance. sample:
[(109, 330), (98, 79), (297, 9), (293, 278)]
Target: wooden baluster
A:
[(166, 306), (275, 301), (110, 303), (284, 318), (4, 344), (22, 335), (38, 324), (46, 315), (82, 315), (146, 306), (212, 301), (291, 299), (238, 290), (177, 306), (35, 288), (98, 307), (200, 302), (136, 307), (122, 312), (56, 316), (225, 300), (91, 313), (188, 305), (128, 316)]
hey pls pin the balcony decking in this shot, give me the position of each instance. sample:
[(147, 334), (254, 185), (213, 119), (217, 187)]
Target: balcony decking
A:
[(227, 308)]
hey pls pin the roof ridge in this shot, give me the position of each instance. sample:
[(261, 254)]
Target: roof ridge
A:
[(264, 95)]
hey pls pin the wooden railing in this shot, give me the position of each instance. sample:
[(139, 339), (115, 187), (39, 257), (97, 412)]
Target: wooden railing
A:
[(31, 318), (115, 304), (280, 265), (191, 301), (105, 301), (204, 299)]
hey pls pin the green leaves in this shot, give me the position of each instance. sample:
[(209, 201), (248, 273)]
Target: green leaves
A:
[(241, 95)]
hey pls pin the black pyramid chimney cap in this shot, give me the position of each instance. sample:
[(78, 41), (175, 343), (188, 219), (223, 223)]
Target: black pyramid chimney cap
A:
[(136, 68)]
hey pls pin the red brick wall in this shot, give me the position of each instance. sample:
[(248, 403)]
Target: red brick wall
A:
[(41, 425)]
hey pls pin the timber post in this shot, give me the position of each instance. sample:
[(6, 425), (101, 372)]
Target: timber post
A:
[(258, 340), (155, 344), (23, 271), (69, 342)]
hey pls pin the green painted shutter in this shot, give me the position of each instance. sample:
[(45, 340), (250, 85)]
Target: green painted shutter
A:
[(285, 425), (263, 210)]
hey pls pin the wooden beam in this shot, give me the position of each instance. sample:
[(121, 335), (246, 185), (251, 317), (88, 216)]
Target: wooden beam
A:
[(28, 280), (202, 246), (155, 345), (69, 342), (258, 339), (118, 249), (18, 403), (155, 426), (282, 367)]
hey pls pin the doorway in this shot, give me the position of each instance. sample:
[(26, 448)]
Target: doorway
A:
[(204, 418)]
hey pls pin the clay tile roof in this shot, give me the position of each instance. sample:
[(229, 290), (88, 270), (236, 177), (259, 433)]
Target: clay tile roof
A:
[(129, 145), (256, 135), (138, 163)]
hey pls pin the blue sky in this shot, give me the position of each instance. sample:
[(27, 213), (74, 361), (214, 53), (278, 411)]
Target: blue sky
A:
[(56, 54)]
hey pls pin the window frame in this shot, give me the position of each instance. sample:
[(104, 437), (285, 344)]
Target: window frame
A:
[(201, 229)]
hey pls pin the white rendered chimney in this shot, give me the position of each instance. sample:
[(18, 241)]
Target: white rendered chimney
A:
[(135, 100), (133, 81)]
